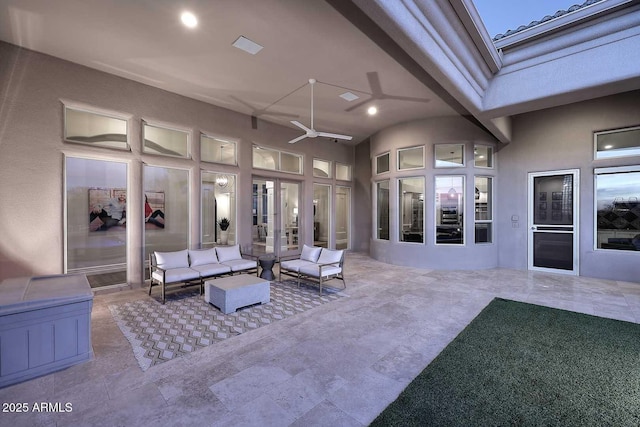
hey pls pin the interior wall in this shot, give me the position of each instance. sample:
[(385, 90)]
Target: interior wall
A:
[(32, 89), (555, 139)]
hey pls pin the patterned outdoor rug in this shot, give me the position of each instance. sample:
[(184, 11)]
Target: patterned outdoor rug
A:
[(186, 322)]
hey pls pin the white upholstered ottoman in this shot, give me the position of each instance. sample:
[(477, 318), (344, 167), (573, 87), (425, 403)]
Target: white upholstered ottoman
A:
[(233, 292)]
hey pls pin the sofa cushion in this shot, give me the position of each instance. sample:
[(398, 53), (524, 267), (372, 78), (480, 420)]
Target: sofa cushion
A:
[(241, 264), (176, 259), (310, 253), (228, 253), (208, 270), (314, 270), (180, 274), (294, 264), (203, 257), (327, 256)]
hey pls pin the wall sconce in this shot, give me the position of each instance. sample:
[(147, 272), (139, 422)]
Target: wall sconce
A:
[(295, 211), (222, 181)]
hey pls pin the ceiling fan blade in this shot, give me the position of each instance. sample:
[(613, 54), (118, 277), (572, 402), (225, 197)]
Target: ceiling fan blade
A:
[(374, 83), (335, 135), (301, 126), (293, 141)]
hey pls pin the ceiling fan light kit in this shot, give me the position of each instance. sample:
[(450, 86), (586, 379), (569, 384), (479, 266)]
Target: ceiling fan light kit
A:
[(310, 132)]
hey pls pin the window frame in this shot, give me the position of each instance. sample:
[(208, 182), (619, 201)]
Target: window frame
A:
[(492, 157), (438, 204), (614, 131), (165, 126), (608, 171), (435, 155), (225, 140), (400, 210), (66, 105), (278, 168), (349, 169), (489, 204), (388, 154), (401, 150), (329, 164), (376, 223)]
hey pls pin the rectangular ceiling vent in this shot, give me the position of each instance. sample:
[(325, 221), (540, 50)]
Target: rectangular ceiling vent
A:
[(247, 45), (348, 96)]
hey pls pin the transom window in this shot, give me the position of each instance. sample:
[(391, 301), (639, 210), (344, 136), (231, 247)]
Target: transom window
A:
[(321, 168), (411, 158), (165, 141), (483, 156), (449, 155), (218, 150), (617, 143), (343, 172), (95, 129), (268, 158), (382, 163)]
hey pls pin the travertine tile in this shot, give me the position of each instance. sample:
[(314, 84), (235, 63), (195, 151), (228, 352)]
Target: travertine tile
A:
[(337, 364)]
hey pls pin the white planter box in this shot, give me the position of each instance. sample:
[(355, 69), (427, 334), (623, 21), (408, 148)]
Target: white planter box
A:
[(45, 325)]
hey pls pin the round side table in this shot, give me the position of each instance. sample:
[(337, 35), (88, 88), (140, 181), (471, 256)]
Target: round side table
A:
[(266, 264)]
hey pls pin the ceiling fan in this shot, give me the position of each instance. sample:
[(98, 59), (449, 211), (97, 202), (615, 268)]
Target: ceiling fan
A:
[(311, 132)]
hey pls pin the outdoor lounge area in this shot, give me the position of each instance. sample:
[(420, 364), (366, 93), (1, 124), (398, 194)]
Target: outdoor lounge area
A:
[(340, 363), (285, 211)]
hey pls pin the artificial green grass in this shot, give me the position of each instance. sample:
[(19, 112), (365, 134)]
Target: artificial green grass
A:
[(520, 364)]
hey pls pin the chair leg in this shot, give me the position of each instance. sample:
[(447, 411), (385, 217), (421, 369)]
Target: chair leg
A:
[(163, 293), (320, 279), (150, 286)]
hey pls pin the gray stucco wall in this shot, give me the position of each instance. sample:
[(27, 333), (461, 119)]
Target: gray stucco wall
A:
[(362, 198), (32, 89), (555, 139)]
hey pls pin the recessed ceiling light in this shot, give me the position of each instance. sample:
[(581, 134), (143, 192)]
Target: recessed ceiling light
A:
[(348, 96), (247, 45), (372, 111), (189, 19)]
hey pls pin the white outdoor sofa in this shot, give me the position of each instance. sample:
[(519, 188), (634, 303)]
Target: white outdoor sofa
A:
[(192, 267), (316, 264)]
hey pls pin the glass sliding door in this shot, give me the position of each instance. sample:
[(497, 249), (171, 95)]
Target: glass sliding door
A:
[(321, 214), (166, 194), (218, 204), (276, 212), (343, 214), (96, 206)]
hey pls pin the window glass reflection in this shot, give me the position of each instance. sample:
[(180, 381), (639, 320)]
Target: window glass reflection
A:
[(411, 203), (382, 209), (165, 141), (449, 209), (217, 150), (618, 211)]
